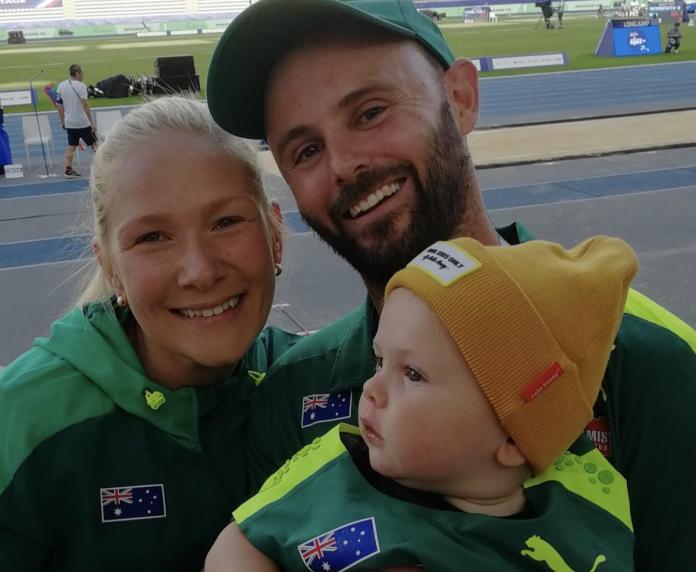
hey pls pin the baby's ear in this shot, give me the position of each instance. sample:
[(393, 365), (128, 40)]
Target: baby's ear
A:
[(508, 455)]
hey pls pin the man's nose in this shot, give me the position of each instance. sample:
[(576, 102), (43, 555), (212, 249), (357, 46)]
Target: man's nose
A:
[(348, 156)]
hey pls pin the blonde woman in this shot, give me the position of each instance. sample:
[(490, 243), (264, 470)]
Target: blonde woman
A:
[(121, 433)]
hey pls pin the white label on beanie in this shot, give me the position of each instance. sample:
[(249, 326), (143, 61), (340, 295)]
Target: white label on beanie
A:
[(445, 262)]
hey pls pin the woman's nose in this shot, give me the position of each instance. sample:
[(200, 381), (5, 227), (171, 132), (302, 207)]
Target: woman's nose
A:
[(199, 267)]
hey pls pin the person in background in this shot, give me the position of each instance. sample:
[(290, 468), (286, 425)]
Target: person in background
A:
[(559, 13), (122, 432), (673, 39), (75, 116), (498, 353), (5, 151), (367, 113)]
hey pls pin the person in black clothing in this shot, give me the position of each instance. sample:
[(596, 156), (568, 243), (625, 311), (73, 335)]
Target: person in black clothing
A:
[(673, 39)]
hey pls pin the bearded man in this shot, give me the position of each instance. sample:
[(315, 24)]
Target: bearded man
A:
[(366, 111)]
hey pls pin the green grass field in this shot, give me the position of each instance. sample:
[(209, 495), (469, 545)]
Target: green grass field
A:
[(578, 38), (105, 57), (100, 58)]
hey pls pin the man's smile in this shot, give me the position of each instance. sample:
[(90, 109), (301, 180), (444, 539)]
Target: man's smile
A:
[(373, 199)]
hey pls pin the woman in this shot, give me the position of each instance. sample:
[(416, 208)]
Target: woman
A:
[(121, 434)]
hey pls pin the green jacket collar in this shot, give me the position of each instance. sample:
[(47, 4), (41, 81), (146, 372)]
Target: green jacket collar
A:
[(350, 368), (515, 233), (94, 342)]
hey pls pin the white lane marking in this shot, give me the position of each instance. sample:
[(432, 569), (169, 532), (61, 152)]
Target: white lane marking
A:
[(588, 199), (54, 263), (42, 50), (587, 178)]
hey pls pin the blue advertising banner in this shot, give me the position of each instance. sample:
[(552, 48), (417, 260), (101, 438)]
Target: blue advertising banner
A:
[(29, 4), (629, 37), (637, 40)]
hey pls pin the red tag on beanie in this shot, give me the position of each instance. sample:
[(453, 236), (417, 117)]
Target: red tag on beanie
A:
[(541, 381)]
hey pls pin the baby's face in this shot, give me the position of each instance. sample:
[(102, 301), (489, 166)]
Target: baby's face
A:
[(424, 417)]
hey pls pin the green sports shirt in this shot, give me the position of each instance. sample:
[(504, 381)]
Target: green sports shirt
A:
[(344, 515), (645, 413), (102, 469)]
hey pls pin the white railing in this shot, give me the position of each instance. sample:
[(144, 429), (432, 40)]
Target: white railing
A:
[(20, 16), (125, 8), (219, 6)]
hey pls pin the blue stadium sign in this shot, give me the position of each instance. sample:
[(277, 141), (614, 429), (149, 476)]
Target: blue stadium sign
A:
[(629, 37)]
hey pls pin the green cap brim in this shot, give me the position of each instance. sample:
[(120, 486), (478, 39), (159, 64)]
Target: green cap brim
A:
[(259, 36)]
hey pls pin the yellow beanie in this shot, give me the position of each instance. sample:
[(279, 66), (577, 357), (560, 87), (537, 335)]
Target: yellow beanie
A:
[(536, 324)]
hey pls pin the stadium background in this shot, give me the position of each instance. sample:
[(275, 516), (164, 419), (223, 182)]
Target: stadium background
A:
[(648, 198), (110, 37)]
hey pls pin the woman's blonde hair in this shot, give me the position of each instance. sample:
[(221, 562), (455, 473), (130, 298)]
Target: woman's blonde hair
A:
[(142, 123)]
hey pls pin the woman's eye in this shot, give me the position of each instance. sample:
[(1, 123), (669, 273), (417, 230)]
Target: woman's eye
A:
[(378, 364), (413, 374), (155, 236), (227, 221)]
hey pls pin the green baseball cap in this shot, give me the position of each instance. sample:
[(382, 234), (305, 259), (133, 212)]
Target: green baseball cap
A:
[(259, 36)]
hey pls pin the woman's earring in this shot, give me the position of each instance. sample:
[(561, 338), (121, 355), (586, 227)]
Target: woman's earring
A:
[(121, 302), (278, 269)]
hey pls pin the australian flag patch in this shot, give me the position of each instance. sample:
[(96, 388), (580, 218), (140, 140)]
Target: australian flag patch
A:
[(342, 547), (325, 407), (132, 503)]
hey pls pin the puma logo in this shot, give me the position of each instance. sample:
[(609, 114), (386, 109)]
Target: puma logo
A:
[(541, 551)]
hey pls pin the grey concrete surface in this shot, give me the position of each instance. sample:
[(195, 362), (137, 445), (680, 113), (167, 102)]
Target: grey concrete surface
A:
[(317, 287)]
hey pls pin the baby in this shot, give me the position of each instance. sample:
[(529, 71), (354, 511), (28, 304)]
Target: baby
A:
[(468, 455)]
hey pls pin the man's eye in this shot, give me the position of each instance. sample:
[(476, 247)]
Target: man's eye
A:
[(378, 364), (307, 152), (413, 374), (372, 113)]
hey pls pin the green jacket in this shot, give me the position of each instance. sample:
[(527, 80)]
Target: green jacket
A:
[(87, 440), (345, 515), (646, 413)]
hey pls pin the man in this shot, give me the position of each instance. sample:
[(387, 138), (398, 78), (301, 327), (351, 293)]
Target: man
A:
[(366, 112), (673, 39), (75, 116)]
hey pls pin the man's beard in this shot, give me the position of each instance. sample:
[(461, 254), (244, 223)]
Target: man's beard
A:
[(438, 209)]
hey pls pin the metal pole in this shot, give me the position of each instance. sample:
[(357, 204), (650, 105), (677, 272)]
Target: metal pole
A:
[(36, 115)]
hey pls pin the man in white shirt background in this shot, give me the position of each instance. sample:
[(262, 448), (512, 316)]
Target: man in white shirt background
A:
[(75, 115)]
